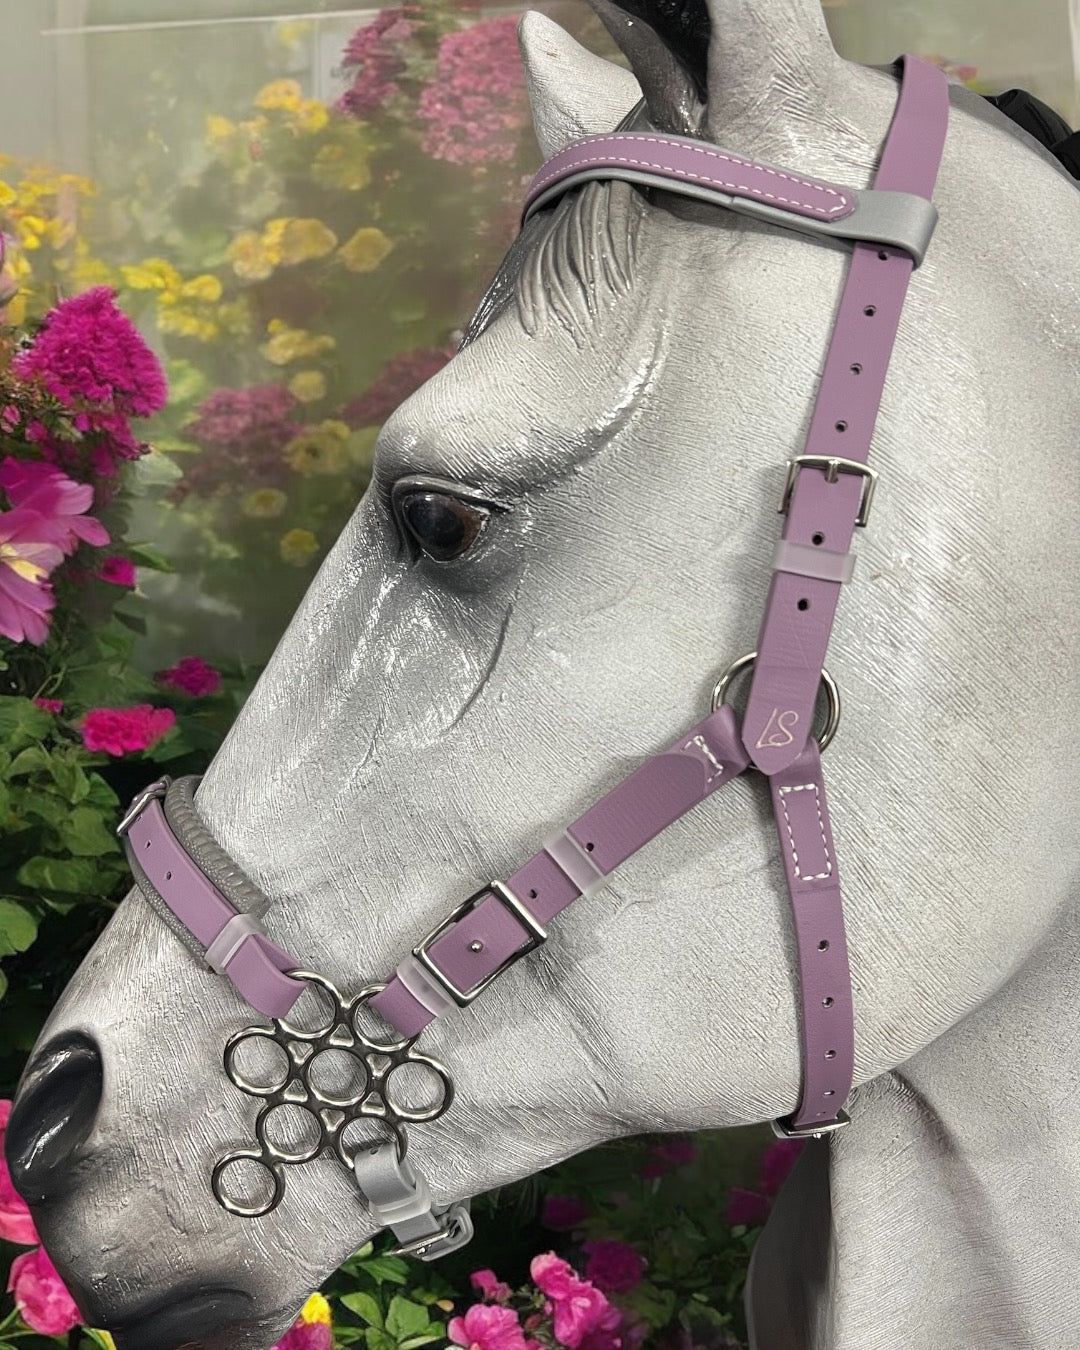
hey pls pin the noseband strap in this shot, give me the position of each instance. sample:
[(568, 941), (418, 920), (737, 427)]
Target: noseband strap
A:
[(829, 493)]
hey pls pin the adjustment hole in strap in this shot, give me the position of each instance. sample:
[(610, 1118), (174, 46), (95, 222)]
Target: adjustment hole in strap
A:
[(168, 876), (827, 1002), (533, 895), (829, 1092), (856, 368), (841, 426), (830, 1054), (883, 256), (818, 540), (803, 604), (870, 311), (823, 945)]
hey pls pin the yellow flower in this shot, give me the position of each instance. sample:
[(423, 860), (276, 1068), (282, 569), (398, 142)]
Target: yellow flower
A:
[(311, 116), (295, 239), (318, 450), (293, 344), (153, 274), (365, 250), (204, 287), (298, 547), (264, 503), (185, 322), (7, 194), (291, 34), (308, 386), (219, 130), (316, 1309), (249, 257), (106, 1339), (285, 95), (342, 166)]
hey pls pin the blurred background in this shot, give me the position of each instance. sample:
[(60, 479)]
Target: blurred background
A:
[(299, 212)]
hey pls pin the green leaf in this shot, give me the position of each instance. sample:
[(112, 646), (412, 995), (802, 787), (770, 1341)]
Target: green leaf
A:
[(22, 723), (18, 928), (45, 805), (390, 1268), (86, 835), (405, 1318), (434, 1333), (146, 555), (31, 760), (3, 983), (135, 622), (379, 1340), (70, 876), (365, 1307), (69, 778), (101, 794)]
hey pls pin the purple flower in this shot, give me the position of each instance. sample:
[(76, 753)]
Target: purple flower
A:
[(677, 1150), (746, 1207), (242, 433), (777, 1161), (613, 1266), (562, 1213), (474, 109), (191, 675), (375, 62), (401, 376)]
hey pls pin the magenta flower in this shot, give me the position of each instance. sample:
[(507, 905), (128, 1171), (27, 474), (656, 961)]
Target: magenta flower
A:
[(43, 1302), (677, 1150), (777, 1161), (486, 1326), (583, 1318), (489, 1287), (613, 1266), (51, 705), (562, 1213), (374, 61), (552, 1275), (242, 433), (90, 353), (60, 501), (191, 676), (119, 731), (118, 572), (16, 1225), (26, 559), (307, 1336), (746, 1207), (474, 110)]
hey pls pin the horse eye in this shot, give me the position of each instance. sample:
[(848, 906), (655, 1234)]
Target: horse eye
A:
[(445, 527)]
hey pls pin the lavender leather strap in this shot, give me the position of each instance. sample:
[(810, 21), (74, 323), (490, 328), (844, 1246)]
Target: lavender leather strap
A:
[(482, 941), (813, 879), (253, 963), (824, 503)]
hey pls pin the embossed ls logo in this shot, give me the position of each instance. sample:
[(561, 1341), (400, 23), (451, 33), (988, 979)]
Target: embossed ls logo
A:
[(778, 730)]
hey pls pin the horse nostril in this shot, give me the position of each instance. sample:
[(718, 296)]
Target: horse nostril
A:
[(53, 1115)]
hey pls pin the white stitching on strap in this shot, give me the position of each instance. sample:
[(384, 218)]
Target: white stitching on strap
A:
[(807, 787), (842, 204)]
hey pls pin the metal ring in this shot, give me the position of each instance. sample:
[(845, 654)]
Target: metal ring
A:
[(421, 1114), (273, 1153), (233, 1206), (375, 1047), (401, 1138), (237, 1078), (832, 694), (320, 982), (324, 1098)]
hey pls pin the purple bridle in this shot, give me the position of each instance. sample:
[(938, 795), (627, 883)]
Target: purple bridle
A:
[(828, 494)]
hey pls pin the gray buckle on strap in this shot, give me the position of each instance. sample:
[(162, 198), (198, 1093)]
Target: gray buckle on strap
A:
[(833, 466), (399, 1199), (785, 1129), (154, 792)]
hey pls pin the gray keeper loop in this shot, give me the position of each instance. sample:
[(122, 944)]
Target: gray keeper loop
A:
[(577, 863), (399, 1199), (423, 988), (819, 563), (229, 941)]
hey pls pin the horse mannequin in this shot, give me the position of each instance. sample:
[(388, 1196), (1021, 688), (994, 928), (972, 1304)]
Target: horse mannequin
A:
[(622, 408)]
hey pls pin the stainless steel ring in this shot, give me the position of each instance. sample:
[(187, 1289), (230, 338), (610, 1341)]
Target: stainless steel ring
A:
[(234, 1207), (832, 694), (337, 1002)]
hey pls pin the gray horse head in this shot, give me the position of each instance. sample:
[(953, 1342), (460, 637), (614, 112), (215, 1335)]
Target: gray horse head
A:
[(610, 442)]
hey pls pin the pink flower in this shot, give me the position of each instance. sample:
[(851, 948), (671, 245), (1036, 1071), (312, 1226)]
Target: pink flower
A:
[(562, 1212), (487, 1327), (119, 731), (118, 572), (777, 1161), (52, 705), (307, 1336), (27, 556), (192, 676), (401, 376), (374, 62), (43, 1302), (89, 354), (489, 1287), (58, 499), (16, 1225), (746, 1207), (613, 1266), (675, 1151), (474, 110), (583, 1318)]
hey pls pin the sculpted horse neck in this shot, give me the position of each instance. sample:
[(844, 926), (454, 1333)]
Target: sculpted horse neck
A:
[(611, 439)]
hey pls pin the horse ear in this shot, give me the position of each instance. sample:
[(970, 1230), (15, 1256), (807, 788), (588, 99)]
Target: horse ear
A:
[(572, 92)]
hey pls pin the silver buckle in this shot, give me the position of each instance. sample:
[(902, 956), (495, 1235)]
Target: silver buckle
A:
[(509, 900), (456, 1232), (833, 466), (783, 1129), (154, 792)]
